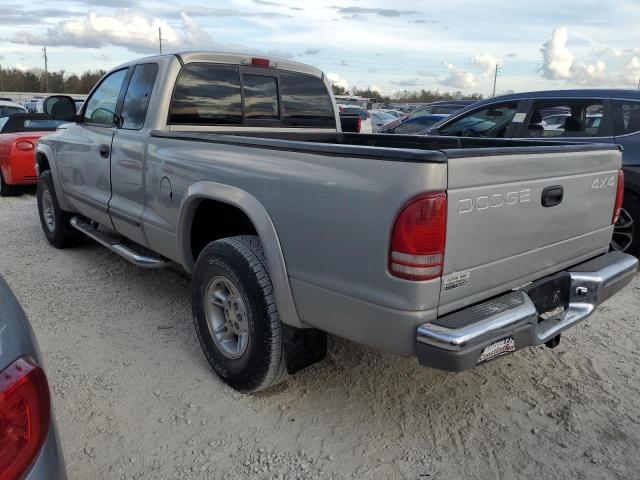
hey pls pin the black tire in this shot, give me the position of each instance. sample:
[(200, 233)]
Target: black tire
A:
[(59, 232), (626, 234), (7, 190), (240, 261)]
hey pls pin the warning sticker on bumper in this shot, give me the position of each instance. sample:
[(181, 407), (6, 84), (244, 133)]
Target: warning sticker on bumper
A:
[(501, 347)]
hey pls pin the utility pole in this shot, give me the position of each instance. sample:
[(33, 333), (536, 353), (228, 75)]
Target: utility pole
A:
[(46, 68), (160, 38), (495, 79)]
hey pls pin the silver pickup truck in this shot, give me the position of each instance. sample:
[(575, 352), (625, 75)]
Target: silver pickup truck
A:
[(454, 250)]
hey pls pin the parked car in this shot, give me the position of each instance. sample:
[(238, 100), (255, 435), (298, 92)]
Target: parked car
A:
[(9, 107), (443, 248), (29, 444), (595, 115), (413, 125), (379, 118), (34, 105), (366, 125), (18, 136), (391, 111), (443, 107)]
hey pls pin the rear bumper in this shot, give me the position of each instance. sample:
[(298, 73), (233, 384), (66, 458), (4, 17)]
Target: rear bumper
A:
[(456, 341)]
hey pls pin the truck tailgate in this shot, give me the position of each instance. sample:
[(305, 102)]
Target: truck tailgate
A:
[(499, 233)]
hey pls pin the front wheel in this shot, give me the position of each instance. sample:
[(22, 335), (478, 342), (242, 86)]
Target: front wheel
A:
[(235, 314), (54, 221)]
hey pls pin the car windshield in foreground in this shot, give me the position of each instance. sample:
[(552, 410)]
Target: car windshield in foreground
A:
[(28, 123), (8, 110)]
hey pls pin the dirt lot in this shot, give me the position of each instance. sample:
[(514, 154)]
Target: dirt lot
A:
[(135, 398)]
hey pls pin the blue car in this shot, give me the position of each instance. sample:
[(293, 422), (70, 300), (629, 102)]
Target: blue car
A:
[(594, 115)]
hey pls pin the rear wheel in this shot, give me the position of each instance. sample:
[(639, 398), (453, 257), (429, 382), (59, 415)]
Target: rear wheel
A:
[(7, 190), (54, 221), (626, 233), (235, 314)]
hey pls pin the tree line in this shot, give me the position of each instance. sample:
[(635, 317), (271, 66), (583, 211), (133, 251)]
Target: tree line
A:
[(34, 80), (407, 96)]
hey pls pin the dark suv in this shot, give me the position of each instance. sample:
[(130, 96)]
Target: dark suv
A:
[(603, 116)]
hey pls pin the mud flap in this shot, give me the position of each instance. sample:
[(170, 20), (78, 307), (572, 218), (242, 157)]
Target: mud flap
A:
[(303, 347)]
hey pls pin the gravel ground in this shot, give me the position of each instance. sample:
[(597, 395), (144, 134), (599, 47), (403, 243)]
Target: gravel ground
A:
[(135, 398)]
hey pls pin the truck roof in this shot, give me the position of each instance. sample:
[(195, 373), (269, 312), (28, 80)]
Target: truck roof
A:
[(233, 59)]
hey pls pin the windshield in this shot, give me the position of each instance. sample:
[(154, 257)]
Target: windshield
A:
[(8, 110)]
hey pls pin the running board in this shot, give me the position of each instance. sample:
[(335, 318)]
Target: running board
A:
[(114, 243)]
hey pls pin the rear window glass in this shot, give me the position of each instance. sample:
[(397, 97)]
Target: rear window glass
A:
[(207, 94), (627, 117), (305, 102), (260, 97)]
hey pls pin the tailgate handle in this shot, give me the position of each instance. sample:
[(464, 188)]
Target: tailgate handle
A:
[(552, 196)]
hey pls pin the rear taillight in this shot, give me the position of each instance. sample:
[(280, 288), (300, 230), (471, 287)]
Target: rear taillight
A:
[(24, 145), (358, 124), (619, 197), (260, 62), (24, 417), (418, 238)]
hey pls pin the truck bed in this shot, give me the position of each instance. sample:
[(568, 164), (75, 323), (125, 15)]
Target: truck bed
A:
[(401, 148)]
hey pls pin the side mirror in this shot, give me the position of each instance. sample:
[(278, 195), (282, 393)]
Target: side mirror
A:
[(60, 107)]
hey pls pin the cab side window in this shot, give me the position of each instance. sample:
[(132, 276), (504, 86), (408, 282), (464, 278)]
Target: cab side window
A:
[(101, 106), (627, 117), (136, 101), (490, 121), (567, 118)]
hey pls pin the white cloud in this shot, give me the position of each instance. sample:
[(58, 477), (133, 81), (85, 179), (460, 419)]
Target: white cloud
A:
[(336, 79), (557, 59), (484, 65), (132, 30), (460, 77), (375, 88), (561, 63)]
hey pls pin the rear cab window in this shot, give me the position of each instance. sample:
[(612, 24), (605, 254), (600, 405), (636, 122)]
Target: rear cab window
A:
[(567, 118), (211, 94)]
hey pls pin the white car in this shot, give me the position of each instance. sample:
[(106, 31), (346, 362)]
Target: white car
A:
[(364, 116), (35, 104), (9, 107)]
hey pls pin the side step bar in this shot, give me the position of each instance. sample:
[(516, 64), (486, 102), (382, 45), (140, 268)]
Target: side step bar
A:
[(114, 243)]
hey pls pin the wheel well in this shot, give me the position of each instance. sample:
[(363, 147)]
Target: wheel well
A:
[(213, 220), (43, 162)]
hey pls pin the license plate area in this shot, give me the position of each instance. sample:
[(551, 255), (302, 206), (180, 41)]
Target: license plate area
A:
[(550, 295)]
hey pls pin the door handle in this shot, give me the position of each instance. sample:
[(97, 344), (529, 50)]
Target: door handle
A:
[(104, 151), (552, 196)]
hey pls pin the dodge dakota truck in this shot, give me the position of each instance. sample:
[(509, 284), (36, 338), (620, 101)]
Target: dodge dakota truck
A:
[(453, 250)]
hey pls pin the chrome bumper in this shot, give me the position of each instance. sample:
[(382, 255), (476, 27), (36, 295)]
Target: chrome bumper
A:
[(456, 341)]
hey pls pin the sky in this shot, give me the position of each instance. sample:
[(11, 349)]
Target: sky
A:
[(386, 46)]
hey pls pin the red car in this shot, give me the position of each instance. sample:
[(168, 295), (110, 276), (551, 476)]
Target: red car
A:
[(18, 136)]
